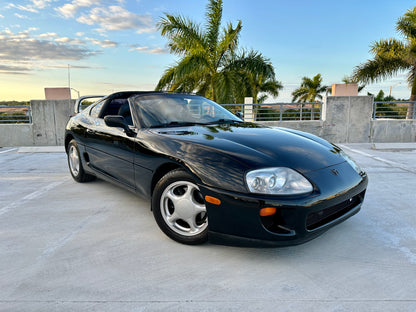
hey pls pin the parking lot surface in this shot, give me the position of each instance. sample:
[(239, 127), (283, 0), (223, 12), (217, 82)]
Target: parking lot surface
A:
[(66, 246)]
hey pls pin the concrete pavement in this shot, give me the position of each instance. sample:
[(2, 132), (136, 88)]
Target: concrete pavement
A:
[(66, 246)]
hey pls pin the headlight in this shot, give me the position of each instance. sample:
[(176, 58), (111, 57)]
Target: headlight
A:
[(277, 181), (351, 162)]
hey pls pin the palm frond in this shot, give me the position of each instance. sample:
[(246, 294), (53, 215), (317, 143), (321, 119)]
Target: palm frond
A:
[(380, 68), (166, 80), (262, 98), (310, 90), (225, 81), (229, 41), (213, 15), (271, 86), (406, 25), (184, 35), (253, 62), (300, 95), (388, 47)]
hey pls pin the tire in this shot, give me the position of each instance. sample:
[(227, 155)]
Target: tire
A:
[(75, 164), (179, 208)]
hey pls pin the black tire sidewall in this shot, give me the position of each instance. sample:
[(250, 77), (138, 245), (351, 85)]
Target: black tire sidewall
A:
[(165, 181), (81, 176)]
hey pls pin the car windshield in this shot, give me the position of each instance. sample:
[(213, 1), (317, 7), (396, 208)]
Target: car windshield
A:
[(170, 110)]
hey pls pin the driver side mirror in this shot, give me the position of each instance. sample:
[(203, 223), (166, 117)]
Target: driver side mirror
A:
[(119, 122), (239, 115)]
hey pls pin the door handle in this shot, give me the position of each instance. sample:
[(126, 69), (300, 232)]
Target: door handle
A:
[(89, 131)]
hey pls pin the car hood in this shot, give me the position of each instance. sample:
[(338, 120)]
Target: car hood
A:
[(258, 146)]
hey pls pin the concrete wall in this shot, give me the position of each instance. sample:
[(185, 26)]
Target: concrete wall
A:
[(345, 119), (49, 119), (393, 130), (311, 126), (348, 119), (16, 135)]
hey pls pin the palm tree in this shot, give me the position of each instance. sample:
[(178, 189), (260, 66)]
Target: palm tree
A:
[(259, 84), (310, 90), (210, 62), (392, 56)]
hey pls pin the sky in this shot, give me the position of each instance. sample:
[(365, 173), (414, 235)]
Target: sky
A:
[(100, 46)]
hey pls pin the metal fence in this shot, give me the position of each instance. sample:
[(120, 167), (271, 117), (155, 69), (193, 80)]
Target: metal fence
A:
[(394, 110), (15, 114), (260, 112), (279, 111)]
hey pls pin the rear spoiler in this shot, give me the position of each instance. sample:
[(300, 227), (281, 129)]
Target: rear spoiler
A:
[(78, 102)]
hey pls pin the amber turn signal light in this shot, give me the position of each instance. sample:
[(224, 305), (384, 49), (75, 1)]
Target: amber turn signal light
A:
[(267, 211), (212, 200)]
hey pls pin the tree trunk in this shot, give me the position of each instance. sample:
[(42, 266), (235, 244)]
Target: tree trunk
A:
[(410, 108), (214, 95)]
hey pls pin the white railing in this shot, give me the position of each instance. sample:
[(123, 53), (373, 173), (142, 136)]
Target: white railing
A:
[(279, 111), (15, 114), (394, 109)]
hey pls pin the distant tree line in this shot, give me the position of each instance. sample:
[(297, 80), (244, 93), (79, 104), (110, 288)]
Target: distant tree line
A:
[(14, 103)]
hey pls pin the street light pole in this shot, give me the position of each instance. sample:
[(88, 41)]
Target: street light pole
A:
[(391, 87), (69, 81), (75, 91)]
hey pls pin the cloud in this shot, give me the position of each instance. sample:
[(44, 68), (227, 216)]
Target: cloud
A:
[(1, 16), (69, 10), (20, 16), (59, 66), (148, 50), (14, 70), (21, 50), (102, 43), (48, 35), (70, 41), (117, 18), (41, 4), (28, 8)]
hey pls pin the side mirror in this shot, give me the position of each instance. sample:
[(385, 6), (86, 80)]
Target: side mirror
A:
[(119, 122), (239, 115)]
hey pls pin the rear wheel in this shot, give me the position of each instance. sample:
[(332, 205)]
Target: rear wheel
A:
[(179, 208), (75, 164)]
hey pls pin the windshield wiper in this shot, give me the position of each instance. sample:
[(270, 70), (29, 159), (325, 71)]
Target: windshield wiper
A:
[(222, 121), (177, 124)]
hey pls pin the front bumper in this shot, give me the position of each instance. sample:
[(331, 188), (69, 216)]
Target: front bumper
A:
[(298, 218)]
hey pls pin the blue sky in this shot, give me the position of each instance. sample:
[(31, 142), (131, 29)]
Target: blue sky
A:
[(114, 45)]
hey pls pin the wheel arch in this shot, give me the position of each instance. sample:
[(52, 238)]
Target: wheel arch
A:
[(68, 139), (167, 167)]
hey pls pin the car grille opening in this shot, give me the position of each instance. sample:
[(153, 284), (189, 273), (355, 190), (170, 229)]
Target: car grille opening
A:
[(276, 223), (319, 218)]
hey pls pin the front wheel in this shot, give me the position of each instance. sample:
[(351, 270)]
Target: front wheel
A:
[(179, 208)]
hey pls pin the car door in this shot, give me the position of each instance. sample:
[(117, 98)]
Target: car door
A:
[(110, 150)]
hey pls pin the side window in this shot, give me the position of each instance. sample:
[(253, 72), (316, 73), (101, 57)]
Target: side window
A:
[(113, 107), (95, 111)]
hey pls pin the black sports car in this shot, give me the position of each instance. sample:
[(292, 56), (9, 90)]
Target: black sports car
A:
[(210, 174)]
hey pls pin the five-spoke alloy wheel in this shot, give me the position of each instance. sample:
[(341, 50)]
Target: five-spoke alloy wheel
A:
[(75, 165), (179, 208)]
